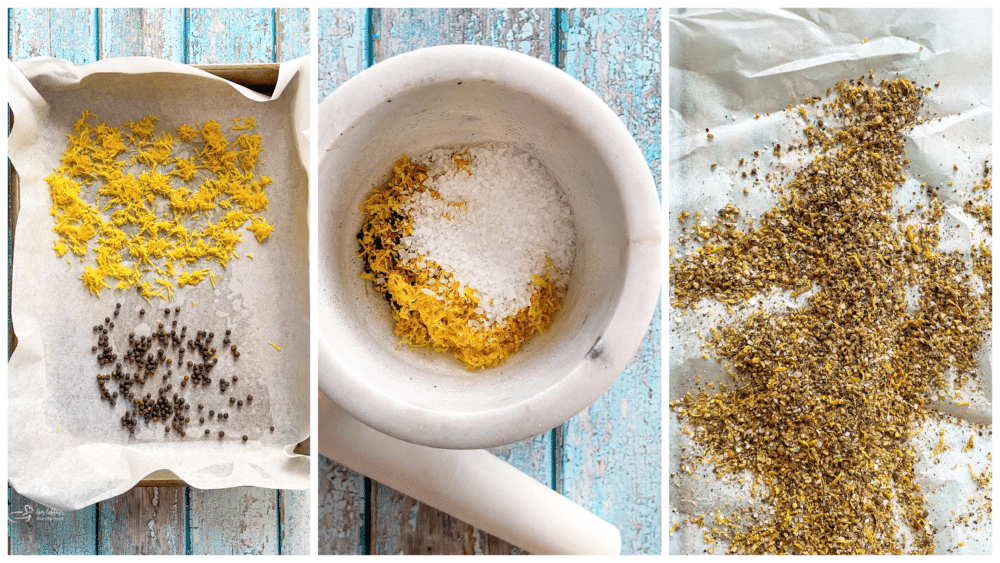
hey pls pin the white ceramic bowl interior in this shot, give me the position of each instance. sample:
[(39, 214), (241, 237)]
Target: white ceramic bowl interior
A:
[(454, 95)]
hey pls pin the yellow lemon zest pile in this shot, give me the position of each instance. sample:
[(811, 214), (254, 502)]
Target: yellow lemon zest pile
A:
[(151, 210), (428, 313)]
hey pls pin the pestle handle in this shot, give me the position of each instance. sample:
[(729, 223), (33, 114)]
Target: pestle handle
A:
[(472, 485)]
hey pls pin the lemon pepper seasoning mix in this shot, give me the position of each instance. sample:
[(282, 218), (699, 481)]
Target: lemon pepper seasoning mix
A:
[(826, 395)]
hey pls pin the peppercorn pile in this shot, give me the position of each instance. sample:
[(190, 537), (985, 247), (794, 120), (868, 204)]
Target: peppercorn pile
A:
[(826, 395), (139, 364)]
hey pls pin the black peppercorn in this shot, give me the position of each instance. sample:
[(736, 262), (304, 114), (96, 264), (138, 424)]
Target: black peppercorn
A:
[(245, 438)]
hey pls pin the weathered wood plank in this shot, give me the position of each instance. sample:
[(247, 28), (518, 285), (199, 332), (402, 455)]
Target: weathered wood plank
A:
[(526, 31), (143, 521), (238, 521), (612, 451), (341, 510), (34, 529), (69, 34), (407, 527), (617, 54), (293, 522), (142, 32), (228, 36), (340, 40), (292, 34)]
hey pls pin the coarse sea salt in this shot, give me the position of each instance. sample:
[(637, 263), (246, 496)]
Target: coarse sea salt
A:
[(492, 224)]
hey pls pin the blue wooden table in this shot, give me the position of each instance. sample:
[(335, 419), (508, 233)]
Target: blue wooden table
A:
[(163, 520), (608, 458)]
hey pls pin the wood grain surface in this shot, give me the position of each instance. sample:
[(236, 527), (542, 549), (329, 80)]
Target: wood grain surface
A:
[(608, 458), (163, 519)]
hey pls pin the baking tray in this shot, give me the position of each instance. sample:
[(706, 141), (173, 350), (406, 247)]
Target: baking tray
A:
[(260, 78)]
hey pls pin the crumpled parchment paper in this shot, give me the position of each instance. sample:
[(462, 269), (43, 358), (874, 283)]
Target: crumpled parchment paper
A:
[(66, 447), (727, 66)]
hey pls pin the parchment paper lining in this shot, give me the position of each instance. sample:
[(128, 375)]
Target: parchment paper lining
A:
[(67, 448)]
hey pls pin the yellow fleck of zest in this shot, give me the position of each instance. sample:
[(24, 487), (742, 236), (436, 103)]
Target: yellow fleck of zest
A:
[(276, 347), (93, 279), (187, 133), (192, 278), (248, 123), (260, 229)]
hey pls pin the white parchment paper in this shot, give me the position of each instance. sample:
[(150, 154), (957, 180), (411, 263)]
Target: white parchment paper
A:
[(727, 66), (66, 447)]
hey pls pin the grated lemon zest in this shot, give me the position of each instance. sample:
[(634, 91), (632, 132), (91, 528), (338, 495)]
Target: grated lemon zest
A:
[(160, 216)]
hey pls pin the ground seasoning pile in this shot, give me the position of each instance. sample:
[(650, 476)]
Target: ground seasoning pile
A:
[(827, 394), (164, 210), (139, 369), (472, 249)]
